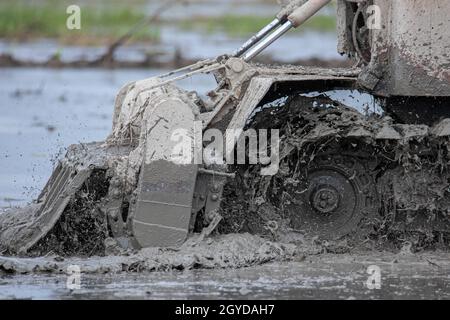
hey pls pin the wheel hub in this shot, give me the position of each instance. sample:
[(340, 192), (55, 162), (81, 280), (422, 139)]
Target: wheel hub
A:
[(331, 196), (325, 199)]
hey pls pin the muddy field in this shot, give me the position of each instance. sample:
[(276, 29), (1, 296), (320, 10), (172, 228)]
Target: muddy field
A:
[(314, 277), (78, 105), (176, 49), (44, 110), (181, 35)]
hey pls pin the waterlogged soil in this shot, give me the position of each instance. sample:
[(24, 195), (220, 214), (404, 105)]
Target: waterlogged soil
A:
[(176, 48), (44, 111), (178, 44), (325, 276)]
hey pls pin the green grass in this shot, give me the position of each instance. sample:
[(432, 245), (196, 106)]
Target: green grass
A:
[(238, 26), (18, 20), (320, 23), (105, 20)]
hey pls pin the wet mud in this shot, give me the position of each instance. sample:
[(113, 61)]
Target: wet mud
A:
[(178, 61), (256, 229), (264, 229), (396, 187), (399, 174), (220, 251), (327, 276)]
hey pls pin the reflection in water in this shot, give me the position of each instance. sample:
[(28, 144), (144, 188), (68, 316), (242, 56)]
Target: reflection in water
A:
[(330, 277)]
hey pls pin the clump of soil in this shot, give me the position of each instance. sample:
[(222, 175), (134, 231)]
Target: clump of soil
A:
[(410, 173), (82, 228)]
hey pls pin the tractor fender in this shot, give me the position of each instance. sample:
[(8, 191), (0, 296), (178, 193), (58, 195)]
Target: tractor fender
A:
[(262, 87)]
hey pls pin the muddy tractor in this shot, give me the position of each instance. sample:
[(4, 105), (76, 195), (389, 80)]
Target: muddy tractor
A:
[(355, 152)]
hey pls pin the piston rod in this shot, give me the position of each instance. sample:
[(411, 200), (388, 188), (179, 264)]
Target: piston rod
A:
[(257, 37), (295, 19), (254, 51)]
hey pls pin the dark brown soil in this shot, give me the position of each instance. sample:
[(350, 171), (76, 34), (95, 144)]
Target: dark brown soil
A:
[(7, 60), (410, 177), (82, 228)]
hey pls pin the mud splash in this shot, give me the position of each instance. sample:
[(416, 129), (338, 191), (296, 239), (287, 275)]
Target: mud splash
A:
[(399, 171), (319, 126), (308, 130), (221, 251)]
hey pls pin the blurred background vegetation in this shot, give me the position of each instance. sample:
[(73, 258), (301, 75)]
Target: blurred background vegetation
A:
[(105, 20)]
